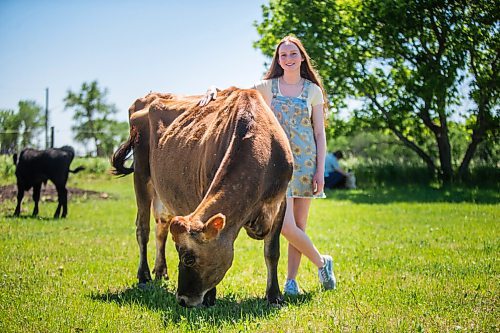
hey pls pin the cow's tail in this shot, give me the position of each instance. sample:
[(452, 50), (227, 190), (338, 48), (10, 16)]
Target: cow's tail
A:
[(14, 157), (80, 168), (122, 154)]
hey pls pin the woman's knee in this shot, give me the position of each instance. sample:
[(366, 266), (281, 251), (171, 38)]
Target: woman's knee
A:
[(301, 224), (285, 229)]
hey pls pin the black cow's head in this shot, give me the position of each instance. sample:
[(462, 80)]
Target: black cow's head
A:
[(204, 256)]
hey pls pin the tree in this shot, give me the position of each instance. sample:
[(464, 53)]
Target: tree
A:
[(30, 121), (116, 133), (92, 116), (483, 48), (20, 128), (9, 131), (408, 61)]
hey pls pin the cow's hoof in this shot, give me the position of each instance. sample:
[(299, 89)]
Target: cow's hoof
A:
[(209, 298), (276, 301), (161, 273), (144, 278), (160, 277)]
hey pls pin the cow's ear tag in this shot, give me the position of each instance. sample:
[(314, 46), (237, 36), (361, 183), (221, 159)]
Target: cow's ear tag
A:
[(213, 226)]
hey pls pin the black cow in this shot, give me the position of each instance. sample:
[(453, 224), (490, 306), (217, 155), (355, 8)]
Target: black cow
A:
[(36, 167)]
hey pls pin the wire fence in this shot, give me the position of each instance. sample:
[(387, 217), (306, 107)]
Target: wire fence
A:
[(13, 141)]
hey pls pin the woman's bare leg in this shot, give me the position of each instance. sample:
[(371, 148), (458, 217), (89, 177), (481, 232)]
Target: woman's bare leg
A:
[(293, 230)]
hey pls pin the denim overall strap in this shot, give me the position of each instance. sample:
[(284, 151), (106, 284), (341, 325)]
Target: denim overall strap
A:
[(274, 87), (305, 89)]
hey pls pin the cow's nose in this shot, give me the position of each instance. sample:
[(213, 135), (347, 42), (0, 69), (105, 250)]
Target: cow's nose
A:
[(188, 302), (182, 302)]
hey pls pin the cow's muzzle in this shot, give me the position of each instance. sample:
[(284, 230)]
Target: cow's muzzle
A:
[(189, 302)]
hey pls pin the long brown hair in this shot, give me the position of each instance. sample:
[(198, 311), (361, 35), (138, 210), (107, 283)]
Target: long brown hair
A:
[(307, 70)]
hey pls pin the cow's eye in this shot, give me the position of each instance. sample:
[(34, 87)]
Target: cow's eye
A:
[(188, 260)]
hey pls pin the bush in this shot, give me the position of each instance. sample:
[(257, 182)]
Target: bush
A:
[(379, 158), (370, 174), (391, 174), (7, 169), (483, 176), (93, 165)]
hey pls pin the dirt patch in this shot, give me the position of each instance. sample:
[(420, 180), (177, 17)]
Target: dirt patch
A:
[(49, 193)]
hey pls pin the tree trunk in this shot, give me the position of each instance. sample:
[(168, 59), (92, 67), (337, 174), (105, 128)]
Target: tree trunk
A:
[(444, 148), (477, 138), (99, 150), (443, 140), (463, 170)]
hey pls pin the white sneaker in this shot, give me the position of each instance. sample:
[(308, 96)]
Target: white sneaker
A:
[(326, 275), (291, 287)]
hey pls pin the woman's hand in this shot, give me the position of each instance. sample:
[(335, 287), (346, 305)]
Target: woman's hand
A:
[(318, 183), (210, 95)]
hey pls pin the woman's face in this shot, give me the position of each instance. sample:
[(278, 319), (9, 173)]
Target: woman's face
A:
[(289, 57)]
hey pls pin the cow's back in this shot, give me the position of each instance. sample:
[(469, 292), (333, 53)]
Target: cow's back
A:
[(185, 151), (233, 148), (36, 166)]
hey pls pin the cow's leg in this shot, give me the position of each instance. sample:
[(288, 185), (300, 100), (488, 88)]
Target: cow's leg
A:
[(143, 196), (36, 197), (20, 195), (272, 255), (64, 202), (162, 219), (62, 198), (58, 209)]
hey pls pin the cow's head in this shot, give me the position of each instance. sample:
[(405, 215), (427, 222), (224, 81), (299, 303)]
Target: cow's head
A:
[(204, 257)]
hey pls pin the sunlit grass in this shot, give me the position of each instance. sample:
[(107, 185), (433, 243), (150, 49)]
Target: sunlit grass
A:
[(413, 259)]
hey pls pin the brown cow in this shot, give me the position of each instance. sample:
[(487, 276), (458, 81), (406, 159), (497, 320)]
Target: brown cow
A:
[(207, 172)]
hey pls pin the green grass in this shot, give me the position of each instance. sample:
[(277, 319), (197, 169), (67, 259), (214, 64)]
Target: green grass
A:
[(406, 259)]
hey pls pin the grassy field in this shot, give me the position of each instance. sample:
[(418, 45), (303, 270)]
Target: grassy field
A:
[(406, 259)]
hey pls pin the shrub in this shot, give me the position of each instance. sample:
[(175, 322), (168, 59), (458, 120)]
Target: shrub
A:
[(93, 165), (7, 169)]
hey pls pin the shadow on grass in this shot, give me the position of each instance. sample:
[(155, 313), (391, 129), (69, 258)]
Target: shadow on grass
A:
[(31, 217), (227, 309), (422, 194)]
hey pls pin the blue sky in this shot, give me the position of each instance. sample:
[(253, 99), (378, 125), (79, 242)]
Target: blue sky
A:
[(129, 47)]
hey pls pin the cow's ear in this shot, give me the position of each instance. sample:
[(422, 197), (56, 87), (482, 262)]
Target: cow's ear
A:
[(213, 226), (178, 226)]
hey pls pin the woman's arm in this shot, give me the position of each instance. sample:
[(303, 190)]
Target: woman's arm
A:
[(318, 124)]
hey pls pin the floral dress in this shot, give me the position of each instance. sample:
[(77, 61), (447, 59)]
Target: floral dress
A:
[(293, 115)]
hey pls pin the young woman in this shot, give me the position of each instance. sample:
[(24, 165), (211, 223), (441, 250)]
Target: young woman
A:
[(294, 91)]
